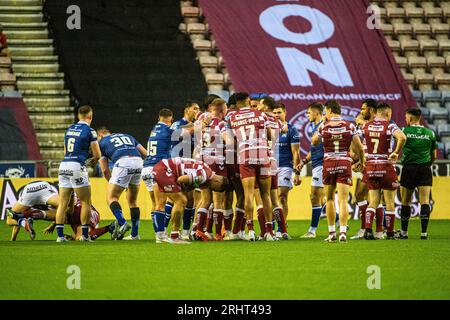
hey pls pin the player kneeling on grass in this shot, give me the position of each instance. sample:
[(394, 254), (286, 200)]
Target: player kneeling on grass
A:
[(73, 218), (175, 178), (380, 172), (37, 193), (126, 154), (338, 136)]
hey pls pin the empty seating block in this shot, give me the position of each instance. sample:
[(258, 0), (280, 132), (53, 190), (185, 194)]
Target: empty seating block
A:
[(442, 81), (388, 29), (440, 30), (5, 65), (7, 78), (424, 81), (444, 47), (432, 99), (196, 28), (410, 47), (428, 47), (425, 113), (394, 45), (417, 64), (438, 113), (395, 14), (202, 45), (190, 14), (414, 14), (403, 31), (436, 65), (214, 78), (443, 130), (422, 31), (208, 62), (402, 62)]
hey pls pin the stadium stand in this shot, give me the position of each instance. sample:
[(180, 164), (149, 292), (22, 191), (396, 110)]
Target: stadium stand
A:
[(129, 60), (417, 33), (37, 71)]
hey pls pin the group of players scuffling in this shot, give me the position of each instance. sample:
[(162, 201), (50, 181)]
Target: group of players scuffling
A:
[(238, 153)]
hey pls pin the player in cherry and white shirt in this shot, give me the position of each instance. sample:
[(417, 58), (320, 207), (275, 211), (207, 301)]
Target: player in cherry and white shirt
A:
[(380, 172), (268, 104), (337, 136), (250, 128), (231, 160), (175, 178), (211, 149)]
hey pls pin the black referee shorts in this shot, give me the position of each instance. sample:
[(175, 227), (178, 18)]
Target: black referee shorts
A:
[(416, 175)]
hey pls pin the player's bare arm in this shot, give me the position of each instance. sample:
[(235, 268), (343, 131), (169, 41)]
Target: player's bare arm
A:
[(356, 141), (104, 166), (400, 137), (295, 148), (142, 150), (316, 140)]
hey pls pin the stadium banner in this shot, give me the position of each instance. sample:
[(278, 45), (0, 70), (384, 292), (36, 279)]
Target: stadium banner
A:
[(305, 51), (18, 140), (299, 203), (17, 169)]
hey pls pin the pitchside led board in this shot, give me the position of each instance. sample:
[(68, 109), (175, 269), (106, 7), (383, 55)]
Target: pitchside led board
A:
[(308, 51), (299, 205)]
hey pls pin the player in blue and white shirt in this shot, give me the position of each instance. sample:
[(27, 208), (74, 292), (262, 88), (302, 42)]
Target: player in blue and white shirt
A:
[(126, 154), (288, 155), (72, 175), (158, 148), (183, 141), (183, 144), (315, 155)]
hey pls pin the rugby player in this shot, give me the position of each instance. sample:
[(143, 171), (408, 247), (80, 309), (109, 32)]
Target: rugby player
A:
[(183, 143), (36, 193), (72, 175), (176, 177), (288, 148), (238, 232), (419, 153), (158, 148), (276, 129), (126, 154), (250, 128), (381, 177), (368, 112), (73, 218), (211, 151), (315, 156), (337, 136)]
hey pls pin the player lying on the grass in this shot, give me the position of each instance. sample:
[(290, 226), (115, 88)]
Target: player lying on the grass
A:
[(175, 178), (37, 193), (338, 137), (73, 218), (126, 154), (380, 173), (27, 218)]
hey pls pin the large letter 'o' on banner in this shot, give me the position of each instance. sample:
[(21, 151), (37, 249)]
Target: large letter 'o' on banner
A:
[(271, 20)]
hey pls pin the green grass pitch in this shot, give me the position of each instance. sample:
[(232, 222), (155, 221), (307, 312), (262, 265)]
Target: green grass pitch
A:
[(297, 269)]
